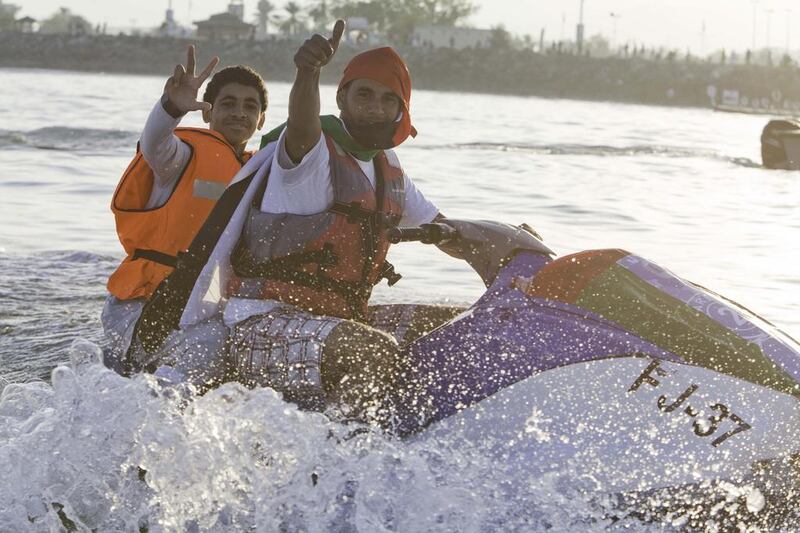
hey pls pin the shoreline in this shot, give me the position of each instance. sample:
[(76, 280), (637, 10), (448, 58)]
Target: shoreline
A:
[(632, 80)]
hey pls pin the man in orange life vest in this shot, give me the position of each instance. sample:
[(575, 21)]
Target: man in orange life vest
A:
[(164, 197), (314, 247)]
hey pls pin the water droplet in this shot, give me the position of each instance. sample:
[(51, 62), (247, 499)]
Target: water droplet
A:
[(63, 379), (84, 353)]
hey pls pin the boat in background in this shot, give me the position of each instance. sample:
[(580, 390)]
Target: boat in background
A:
[(773, 111), (780, 144)]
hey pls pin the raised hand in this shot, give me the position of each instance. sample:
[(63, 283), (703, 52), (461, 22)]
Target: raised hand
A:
[(317, 51), (183, 85)]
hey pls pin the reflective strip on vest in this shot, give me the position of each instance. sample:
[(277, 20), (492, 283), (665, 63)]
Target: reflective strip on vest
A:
[(210, 190), (169, 228)]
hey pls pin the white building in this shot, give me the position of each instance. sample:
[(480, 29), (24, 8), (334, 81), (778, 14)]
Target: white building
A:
[(236, 8), (359, 31), (450, 37), (170, 28), (226, 26)]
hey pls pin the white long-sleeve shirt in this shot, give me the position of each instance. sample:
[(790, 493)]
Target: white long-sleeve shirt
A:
[(300, 189), (306, 188), (164, 152)]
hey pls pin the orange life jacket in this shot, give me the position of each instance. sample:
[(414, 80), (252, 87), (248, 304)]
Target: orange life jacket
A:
[(326, 263), (152, 238)]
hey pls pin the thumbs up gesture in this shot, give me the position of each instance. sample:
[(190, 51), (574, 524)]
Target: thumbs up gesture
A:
[(317, 51)]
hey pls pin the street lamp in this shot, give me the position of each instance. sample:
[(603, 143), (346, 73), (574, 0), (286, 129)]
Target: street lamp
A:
[(615, 17), (769, 24), (788, 28), (579, 30), (755, 16)]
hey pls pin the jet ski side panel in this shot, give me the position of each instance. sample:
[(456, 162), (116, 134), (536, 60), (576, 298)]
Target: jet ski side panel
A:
[(539, 315), (632, 423)]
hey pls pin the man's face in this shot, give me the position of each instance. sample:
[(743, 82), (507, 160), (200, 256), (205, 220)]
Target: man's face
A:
[(368, 102), (236, 113)]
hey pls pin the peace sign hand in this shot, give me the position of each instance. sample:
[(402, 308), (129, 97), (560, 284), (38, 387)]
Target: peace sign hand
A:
[(318, 51), (183, 85)]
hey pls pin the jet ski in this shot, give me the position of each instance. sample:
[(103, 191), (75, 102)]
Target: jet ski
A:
[(603, 362), (600, 358), (600, 363)]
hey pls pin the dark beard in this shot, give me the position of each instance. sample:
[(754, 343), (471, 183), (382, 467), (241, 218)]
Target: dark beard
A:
[(376, 136)]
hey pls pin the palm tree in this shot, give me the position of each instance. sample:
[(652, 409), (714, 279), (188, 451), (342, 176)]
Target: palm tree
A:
[(7, 15), (292, 25), (265, 7), (320, 14)]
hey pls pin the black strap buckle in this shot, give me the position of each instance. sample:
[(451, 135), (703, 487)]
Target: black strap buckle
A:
[(388, 273), (353, 211), (357, 214)]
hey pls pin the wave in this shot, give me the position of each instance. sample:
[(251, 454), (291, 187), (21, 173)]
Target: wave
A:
[(599, 150), (63, 138), (96, 451), (46, 299)]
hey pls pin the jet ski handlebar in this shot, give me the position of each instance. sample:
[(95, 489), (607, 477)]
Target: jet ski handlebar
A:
[(485, 245), (432, 233)]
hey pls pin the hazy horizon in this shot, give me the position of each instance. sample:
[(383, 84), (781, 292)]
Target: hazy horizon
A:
[(681, 24)]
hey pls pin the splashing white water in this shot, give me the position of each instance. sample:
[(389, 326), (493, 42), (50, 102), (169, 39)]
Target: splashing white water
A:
[(95, 450)]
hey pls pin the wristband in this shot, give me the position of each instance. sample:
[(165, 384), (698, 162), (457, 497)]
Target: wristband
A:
[(171, 109)]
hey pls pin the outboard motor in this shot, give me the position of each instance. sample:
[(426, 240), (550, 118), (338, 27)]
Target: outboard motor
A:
[(780, 144)]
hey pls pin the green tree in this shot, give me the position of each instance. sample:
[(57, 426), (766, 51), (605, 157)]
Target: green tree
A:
[(264, 8), (375, 12), (527, 41), (321, 15), (405, 15), (8, 13), (65, 21), (500, 39), (292, 24), (447, 12), (398, 18), (597, 45)]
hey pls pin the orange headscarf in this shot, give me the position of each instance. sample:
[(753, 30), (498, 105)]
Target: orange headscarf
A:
[(386, 67)]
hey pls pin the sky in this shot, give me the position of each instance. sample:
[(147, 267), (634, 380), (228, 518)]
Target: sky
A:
[(700, 25)]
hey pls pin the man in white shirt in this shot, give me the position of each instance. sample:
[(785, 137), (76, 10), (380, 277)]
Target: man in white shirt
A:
[(316, 243)]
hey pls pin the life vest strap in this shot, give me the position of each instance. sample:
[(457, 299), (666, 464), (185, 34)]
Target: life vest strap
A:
[(162, 312), (246, 266), (355, 213), (155, 256), (388, 273), (287, 269), (353, 293)]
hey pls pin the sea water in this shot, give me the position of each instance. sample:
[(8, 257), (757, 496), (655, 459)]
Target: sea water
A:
[(82, 446)]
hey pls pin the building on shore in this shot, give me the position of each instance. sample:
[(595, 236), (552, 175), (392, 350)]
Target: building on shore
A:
[(360, 32), (170, 28), (432, 36), (65, 22), (226, 26), (25, 25)]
